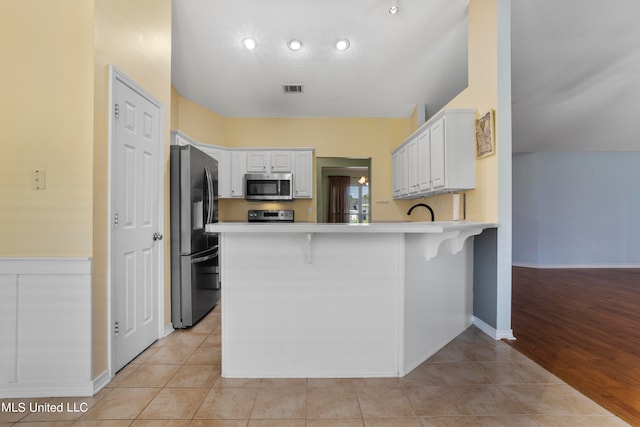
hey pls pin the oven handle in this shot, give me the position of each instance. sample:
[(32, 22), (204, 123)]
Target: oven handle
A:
[(207, 257)]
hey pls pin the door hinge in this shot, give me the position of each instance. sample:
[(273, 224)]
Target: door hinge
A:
[(115, 219), (115, 328), (116, 110)]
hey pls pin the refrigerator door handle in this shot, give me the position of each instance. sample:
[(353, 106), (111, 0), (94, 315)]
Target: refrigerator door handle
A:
[(211, 255), (210, 201)]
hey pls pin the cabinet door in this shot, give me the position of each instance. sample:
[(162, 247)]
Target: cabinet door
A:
[(281, 161), (303, 175), (257, 161), (412, 166), (395, 181), (403, 176), (437, 155), (424, 161), (238, 169)]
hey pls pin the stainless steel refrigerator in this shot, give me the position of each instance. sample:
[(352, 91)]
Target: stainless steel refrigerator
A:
[(195, 271)]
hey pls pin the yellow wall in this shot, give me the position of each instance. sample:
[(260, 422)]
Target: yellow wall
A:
[(482, 93), (46, 107), (199, 123), (135, 37)]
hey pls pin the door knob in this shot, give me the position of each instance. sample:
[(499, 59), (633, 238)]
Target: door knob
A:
[(157, 236)]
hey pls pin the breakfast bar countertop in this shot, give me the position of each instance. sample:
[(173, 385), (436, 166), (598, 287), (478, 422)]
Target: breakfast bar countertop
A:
[(376, 227)]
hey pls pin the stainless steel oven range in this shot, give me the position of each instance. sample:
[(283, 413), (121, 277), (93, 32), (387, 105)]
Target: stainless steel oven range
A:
[(257, 215)]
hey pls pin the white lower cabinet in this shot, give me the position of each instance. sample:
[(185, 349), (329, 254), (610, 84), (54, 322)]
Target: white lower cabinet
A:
[(438, 158)]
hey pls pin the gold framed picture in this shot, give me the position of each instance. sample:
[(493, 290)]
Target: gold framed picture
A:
[(484, 135)]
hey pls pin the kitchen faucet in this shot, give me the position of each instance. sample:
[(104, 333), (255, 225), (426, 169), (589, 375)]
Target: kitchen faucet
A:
[(433, 217)]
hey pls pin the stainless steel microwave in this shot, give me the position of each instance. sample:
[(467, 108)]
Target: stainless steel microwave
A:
[(268, 186)]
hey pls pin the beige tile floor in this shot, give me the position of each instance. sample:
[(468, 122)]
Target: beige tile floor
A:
[(473, 381)]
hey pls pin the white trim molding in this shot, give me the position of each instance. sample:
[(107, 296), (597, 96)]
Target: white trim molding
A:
[(45, 313), (101, 381), (569, 266), (496, 334)]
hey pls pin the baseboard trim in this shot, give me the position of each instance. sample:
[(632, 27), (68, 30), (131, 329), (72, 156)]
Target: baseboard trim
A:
[(167, 330), (496, 334), (101, 381), (31, 390), (569, 266)]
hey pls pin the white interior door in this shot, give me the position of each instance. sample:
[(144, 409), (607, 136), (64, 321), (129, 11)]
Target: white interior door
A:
[(136, 244)]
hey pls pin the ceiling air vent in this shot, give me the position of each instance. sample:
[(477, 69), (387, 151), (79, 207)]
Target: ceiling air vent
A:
[(292, 88)]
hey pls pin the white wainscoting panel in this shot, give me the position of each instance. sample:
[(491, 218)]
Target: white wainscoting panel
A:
[(45, 310), (8, 331)]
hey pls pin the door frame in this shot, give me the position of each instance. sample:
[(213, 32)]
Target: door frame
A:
[(115, 75)]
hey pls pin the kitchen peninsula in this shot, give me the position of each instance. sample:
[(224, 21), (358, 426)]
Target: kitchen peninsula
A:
[(342, 300)]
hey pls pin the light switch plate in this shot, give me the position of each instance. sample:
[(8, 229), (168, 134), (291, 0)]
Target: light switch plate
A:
[(38, 181)]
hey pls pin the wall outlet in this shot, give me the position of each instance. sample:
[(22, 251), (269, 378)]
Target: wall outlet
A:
[(38, 181), (309, 211)]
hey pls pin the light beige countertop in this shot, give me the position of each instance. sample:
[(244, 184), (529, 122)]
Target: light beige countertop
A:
[(376, 227)]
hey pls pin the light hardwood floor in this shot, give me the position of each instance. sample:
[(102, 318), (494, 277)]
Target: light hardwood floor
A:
[(583, 325)]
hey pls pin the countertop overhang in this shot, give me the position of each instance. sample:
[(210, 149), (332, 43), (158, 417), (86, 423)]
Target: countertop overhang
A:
[(376, 227), (434, 234)]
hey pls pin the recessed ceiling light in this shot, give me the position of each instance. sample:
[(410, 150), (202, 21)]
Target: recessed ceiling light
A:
[(342, 44), (295, 44), (249, 44), (393, 10)]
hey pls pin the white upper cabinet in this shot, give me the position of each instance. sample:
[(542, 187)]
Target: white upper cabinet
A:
[(261, 161), (424, 153), (303, 175), (257, 161), (437, 154), (413, 183), (281, 161), (400, 175), (233, 164), (238, 169), (438, 158)]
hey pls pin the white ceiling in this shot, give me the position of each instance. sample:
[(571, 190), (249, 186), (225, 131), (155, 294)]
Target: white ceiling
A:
[(575, 63), (575, 75), (417, 56)]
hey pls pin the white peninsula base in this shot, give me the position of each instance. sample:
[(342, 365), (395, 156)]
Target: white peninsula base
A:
[(326, 300)]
